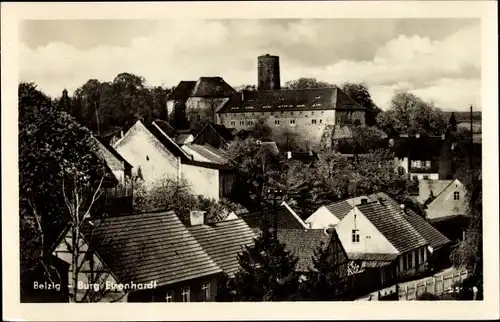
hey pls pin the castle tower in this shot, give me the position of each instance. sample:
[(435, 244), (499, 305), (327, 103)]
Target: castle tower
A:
[(268, 72)]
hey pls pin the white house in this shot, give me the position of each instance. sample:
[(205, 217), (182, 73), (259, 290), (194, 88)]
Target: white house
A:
[(444, 198), (156, 156)]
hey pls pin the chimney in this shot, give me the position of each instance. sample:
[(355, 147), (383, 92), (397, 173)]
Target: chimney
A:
[(197, 217), (289, 154)]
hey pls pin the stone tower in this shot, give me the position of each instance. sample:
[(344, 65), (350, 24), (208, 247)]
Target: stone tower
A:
[(268, 72)]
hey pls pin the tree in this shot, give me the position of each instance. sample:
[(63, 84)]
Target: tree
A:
[(360, 93), (408, 114), (306, 83), (172, 194), (52, 145), (469, 254), (363, 140), (326, 283), (267, 271), (452, 123), (246, 87), (260, 130)]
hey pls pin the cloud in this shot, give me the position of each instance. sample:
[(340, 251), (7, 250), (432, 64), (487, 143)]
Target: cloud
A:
[(370, 51)]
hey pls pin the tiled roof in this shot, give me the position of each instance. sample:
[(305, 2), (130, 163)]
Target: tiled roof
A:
[(222, 132), (372, 256), (176, 150), (433, 237), (303, 242), (150, 246), (286, 220), (341, 208), (289, 100), (101, 144), (207, 152), (223, 241), (182, 91), (426, 230), (165, 127), (391, 223), (212, 87)]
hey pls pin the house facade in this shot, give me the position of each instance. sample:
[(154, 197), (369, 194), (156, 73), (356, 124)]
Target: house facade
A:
[(421, 157), (156, 156), (386, 243), (306, 111), (443, 198), (194, 102), (146, 257)]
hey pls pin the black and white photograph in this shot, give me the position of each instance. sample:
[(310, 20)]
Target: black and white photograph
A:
[(285, 159)]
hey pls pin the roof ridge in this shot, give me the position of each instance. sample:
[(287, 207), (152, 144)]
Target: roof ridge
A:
[(446, 187)]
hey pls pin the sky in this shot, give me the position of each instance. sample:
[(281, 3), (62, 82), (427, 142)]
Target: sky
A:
[(438, 60)]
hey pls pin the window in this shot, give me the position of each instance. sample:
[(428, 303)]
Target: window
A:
[(355, 236), (357, 122), (419, 164), (427, 164), (456, 195), (320, 121), (233, 123), (205, 292), (417, 259), (292, 121), (410, 260), (291, 113), (249, 122), (169, 297), (277, 122), (242, 122), (338, 120), (185, 292), (426, 177), (422, 254), (313, 121), (405, 263)]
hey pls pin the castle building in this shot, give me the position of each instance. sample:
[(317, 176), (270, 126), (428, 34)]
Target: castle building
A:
[(307, 111), (197, 101)]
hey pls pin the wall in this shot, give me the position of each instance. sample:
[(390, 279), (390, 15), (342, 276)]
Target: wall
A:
[(322, 218), (195, 286), (281, 120), (202, 181), (350, 117), (204, 107), (370, 240), (445, 205), (144, 151)]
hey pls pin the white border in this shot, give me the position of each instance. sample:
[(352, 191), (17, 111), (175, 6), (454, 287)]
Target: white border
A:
[(11, 13)]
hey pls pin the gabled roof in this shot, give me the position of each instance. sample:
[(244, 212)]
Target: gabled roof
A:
[(286, 218), (182, 91), (220, 130), (290, 100), (149, 246), (391, 223), (436, 186), (303, 243), (175, 149), (211, 87), (223, 241)]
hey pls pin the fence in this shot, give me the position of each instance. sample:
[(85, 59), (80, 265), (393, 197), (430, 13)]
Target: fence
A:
[(436, 285)]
